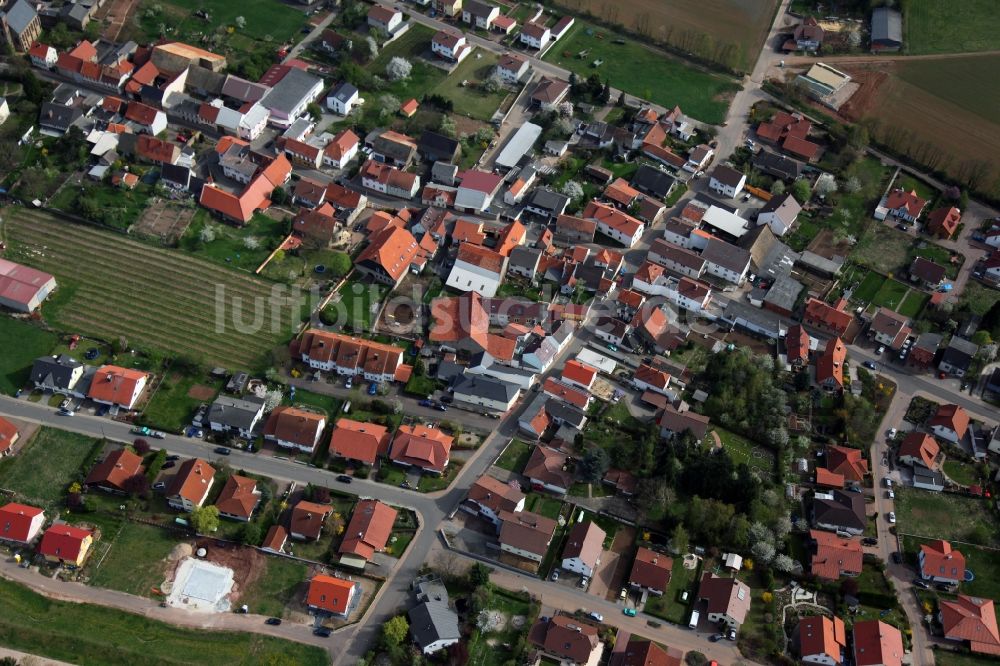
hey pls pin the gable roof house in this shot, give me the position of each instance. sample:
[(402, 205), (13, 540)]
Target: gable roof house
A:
[(779, 213), (423, 447), (797, 346), (9, 436), (567, 639), (342, 98), (919, 448), (890, 328), (116, 386), (546, 469), (293, 428), (957, 356), (494, 395), (479, 14), (239, 498), (388, 255), (112, 474), (886, 30), (940, 563), (877, 644), (332, 596), (367, 533), (943, 222), (727, 181), (477, 269), (822, 640), (928, 273), (902, 204), (58, 374), (651, 571), (971, 619), (512, 67), (386, 19), (547, 204), (476, 191), (20, 523), (326, 350), (191, 484), (452, 46), (840, 511), (584, 545), (237, 417), (307, 519), (434, 625), (835, 556), (66, 545), (950, 423), (830, 366), (525, 534), (615, 224), (571, 230), (828, 318), (359, 441), (848, 462), (808, 36), (790, 131), (549, 92), (728, 599), (725, 260), (674, 422), (490, 497)]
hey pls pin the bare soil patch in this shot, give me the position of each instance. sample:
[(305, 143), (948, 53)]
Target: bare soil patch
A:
[(201, 392), (248, 564), (164, 221)]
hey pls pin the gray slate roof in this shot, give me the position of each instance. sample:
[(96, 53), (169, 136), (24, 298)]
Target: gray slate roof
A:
[(484, 387), (20, 16), (887, 25), (433, 621), (234, 412), (53, 372), (290, 90)]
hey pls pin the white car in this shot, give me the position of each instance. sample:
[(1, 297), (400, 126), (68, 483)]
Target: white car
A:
[(891, 434), (881, 348), (890, 495), (888, 482), (892, 517), (596, 616)]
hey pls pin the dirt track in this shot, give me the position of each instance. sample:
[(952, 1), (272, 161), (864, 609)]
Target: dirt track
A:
[(798, 61)]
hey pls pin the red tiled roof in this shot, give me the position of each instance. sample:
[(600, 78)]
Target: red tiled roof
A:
[(526, 531), (8, 434), (835, 554), (953, 417), (392, 249), (800, 147), (971, 619), (613, 218), (652, 376), (481, 181), (115, 385), (238, 496), (421, 446), (565, 637), (481, 257), (921, 446), (275, 538), (571, 394), (651, 570), (819, 313), (341, 144), (941, 560), (39, 50), (141, 113), (356, 440), (15, 521), (828, 479), (63, 542), (944, 221), (846, 461), (909, 201), (830, 365), (409, 107), (369, 529), (876, 642), (797, 344), (117, 467), (642, 652), (307, 519), (819, 635), (330, 594), (578, 372), (193, 480)]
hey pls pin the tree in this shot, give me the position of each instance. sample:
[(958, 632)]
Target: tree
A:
[(394, 632), (141, 446), (801, 190), (826, 184), (398, 69), (388, 105), (695, 658), (484, 135), (573, 190), (778, 188), (205, 519), (340, 264), (982, 338), (240, 22), (783, 563), (763, 552), (207, 234), (279, 197), (250, 536), (272, 399), (493, 84), (321, 495), (447, 126), (679, 540), (479, 575), (315, 110), (594, 464), (372, 47)]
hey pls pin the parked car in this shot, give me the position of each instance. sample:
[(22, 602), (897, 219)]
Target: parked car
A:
[(426, 403), (596, 616), (373, 389), (555, 574), (447, 398), (222, 451), (168, 464), (159, 485), (869, 541), (890, 495), (172, 458), (441, 408), (715, 638), (922, 584), (629, 611), (888, 481), (892, 517), (891, 435), (348, 383), (731, 634), (612, 347), (881, 348), (157, 434), (343, 478), (870, 365), (897, 558), (273, 621), (945, 587), (66, 412), (322, 632), (584, 582)]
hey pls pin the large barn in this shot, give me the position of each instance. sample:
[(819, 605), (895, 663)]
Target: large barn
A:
[(23, 289)]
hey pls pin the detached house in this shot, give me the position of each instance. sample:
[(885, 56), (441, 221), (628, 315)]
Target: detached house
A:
[(890, 328), (728, 599), (477, 269), (511, 67), (450, 46), (388, 256), (950, 423), (118, 387), (839, 511), (927, 273), (367, 533), (535, 36), (420, 446), (9, 436), (293, 428), (727, 181), (112, 474), (237, 417), (651, 571), (307, 520), (479, 14), (386, 19), (584, 545), (191, 485), (19, 523), (822, 641), (342, 99), (972, 620), (66, 545), (546, 469), (919, 448), (615, 224), (938, 562), (239, 498), (780, 213), (903, 205), (835, 556), (359, 441), (943, 222), (58, 374), (849, 463), (332, 597), (957, 356), (490, 497), (566, 639), (877, 644), (830, 366), (526, 534)]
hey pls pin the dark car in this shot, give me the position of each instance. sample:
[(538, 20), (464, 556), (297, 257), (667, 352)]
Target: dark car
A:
[(897, 558), (441, 408), (222, 451), (92, 353), (945, 587), (273, 621), (343, 478), (716, 638), (169, 458), (426, 403), (168, 464), (321, 631), (921, 584), (869, 541), (447, 398), (870, 365)]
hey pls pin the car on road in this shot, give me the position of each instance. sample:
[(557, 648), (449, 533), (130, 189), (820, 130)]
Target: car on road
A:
[(869, 541), (890, 495), (964, 386), (629, 611), (881, 348), (715, 638), (157, 434), (654, 624), (66, 412), (426, 403), (168, 464), (172, 458), (596, 616), (323, 632), (159, 485), (922, 584), (273, 621), (343, 478), (555, 574), (612, 347), (870, 365), (892, 517), (373, 389), (222, 451), (441, 408)]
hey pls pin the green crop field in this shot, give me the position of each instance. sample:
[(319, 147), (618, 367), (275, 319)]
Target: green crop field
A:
[(21, 344), (112, 286), (939, 26), (90, 635), (645, 73)]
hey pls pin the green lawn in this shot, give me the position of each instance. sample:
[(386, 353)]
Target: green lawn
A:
[(979, 298), (421, 385), (890, 294), (948, 658), (543, 505), (21, 343), (669, 606), (868, 287), (945, 516), (470, 100), (913, 304), (92, 635), (742, 450), (52, 460), (423, 76), (119, 207), (355, 306), (327, 404), (644, 73), (932, 26), (135, 561), (961, 472), (938, 255), (515, 456), (494, 649), (237, 247), (283, 581), (171, 408), (430, 483)]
